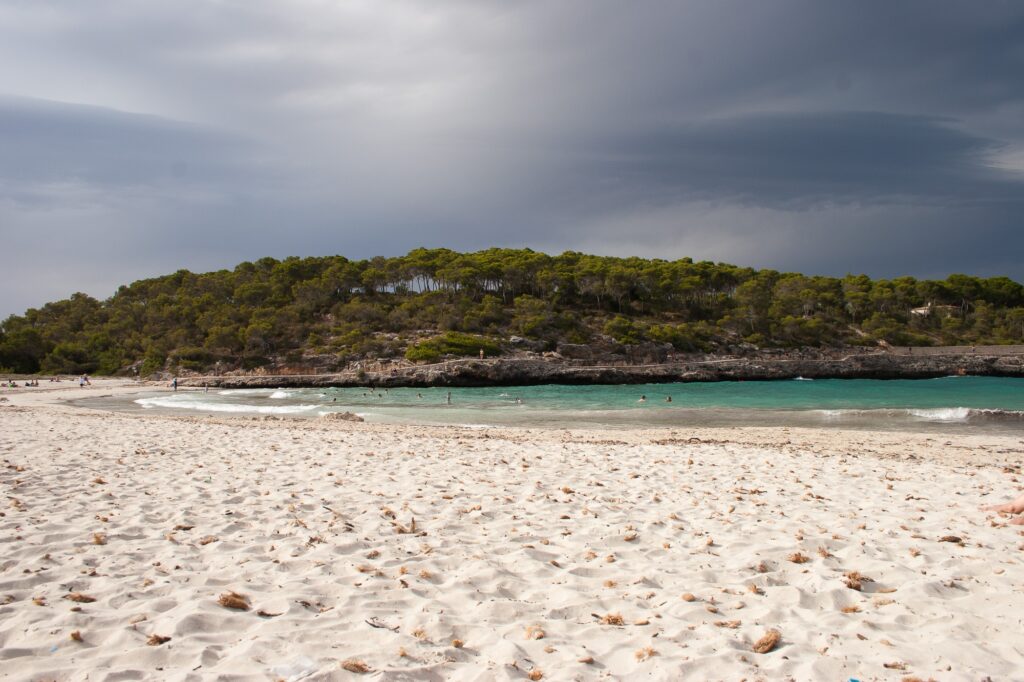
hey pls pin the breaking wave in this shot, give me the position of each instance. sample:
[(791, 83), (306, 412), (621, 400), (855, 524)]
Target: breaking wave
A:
[(200, 406)]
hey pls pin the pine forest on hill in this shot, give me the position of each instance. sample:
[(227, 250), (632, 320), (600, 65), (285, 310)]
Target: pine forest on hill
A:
[(435, 303)]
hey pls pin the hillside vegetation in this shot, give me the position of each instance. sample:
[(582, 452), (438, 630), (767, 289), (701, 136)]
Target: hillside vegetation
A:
[(435, 303)]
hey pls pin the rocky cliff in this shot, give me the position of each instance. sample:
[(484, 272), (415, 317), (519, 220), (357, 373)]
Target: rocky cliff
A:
[(763, 366)]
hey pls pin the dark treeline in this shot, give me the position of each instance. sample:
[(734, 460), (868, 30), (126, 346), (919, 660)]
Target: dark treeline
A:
[(436, 302)]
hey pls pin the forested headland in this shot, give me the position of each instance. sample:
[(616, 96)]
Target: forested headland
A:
[(436, 303)]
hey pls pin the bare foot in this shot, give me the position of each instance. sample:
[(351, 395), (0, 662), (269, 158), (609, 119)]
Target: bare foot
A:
[(1015, 507)]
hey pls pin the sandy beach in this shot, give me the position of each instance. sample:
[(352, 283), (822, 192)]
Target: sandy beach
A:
[(189, 548)]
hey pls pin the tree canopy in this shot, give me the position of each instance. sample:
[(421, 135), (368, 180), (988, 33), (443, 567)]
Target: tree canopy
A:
[(436, 302)]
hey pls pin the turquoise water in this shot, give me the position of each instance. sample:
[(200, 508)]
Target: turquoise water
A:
[(960, 403)]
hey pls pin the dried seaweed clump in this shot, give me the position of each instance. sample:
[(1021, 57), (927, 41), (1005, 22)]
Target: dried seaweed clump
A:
[(855, 580), (354, 665), (80, 598), (234, 600), (645, 653), (798, 558), (768, 642), (157, 640), (612, 619)]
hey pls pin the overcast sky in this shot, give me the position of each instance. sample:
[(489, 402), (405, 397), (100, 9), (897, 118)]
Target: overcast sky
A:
[(138, 138)]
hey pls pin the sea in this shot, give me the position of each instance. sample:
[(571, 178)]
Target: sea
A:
[(949, 404)]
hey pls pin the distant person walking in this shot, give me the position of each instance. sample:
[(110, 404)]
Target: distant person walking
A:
[(174, 384)]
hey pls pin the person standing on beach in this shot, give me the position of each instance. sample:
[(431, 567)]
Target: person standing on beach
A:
[(174, 384), (448, 400)]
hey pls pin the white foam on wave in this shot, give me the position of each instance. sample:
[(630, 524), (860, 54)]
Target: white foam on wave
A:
[(943, 414), (244, 391), (170, 402), (279, 394), (802, 379), (832, 414)]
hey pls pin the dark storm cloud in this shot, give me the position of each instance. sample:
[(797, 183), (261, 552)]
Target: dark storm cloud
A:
[(809, 158), (138, 138), (48, 143)]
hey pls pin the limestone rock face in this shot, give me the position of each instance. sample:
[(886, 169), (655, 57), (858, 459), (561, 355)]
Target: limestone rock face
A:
[(754, 366)]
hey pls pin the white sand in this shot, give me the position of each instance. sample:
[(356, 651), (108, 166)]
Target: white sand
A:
[(523, 542)]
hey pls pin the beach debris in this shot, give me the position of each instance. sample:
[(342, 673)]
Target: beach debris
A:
[(855, 580), (80, 598), (768, 642), (798, 558), (157, 640), (630, 536), (689, 596), (824, 553), (183, 526), (458, 643), (587, 660), (952, 538), (267, 614), (403, 530), (343, 416), (534, 632), (730, 624), (535, 674), (754, 589), (99, 538), (208, 539), (611, 619), (39, 601), (76, 635), (234, 600), (645, 653), (377, 623), (99, 481), (895, 665), (851, 608), (354, 665)]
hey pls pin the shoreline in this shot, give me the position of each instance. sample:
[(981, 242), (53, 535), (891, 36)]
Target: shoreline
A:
[(458, 553)]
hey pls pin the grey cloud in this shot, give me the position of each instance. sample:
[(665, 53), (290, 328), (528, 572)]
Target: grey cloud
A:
[(793, 134)]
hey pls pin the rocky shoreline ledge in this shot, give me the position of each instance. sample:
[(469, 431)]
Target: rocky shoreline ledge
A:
[(924, 363)]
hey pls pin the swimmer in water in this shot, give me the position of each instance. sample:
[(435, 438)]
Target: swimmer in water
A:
[(643, 399), (668, 399)]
